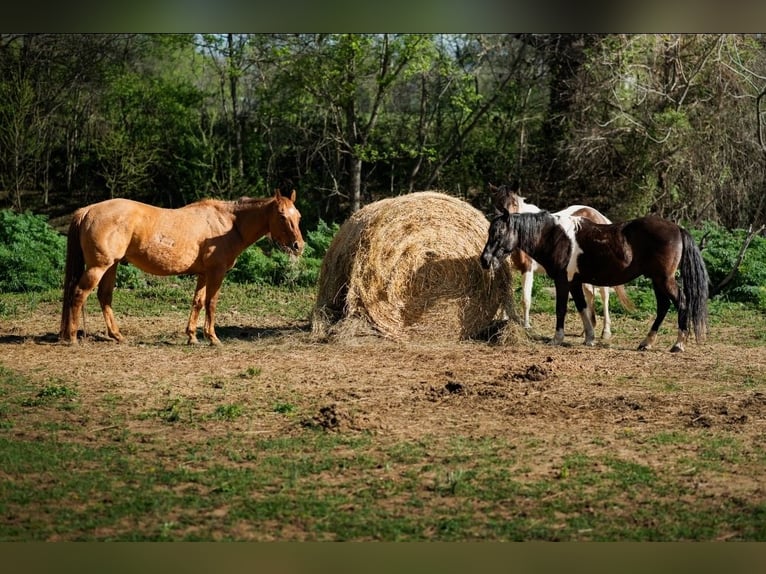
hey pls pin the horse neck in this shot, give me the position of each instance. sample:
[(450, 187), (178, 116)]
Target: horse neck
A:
[(530, 229), (251, 218)]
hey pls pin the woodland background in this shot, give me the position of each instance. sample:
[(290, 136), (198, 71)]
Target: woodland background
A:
[(627, 123)]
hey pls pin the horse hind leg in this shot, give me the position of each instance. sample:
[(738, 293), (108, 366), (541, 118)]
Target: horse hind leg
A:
[(197, 303), (87, 283), (663, 293), (675, 295), (606, 332), (585, 310), (105, 292)]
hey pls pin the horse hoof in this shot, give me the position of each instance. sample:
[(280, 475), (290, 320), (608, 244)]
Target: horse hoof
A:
[(643, 347), (676, 349), (589, 343)]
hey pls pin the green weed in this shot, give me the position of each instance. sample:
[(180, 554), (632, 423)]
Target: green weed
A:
[(228, 412)]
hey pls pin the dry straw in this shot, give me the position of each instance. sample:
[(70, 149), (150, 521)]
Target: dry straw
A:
[(408, 268)]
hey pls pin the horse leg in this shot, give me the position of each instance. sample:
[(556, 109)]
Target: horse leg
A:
[(562, 299), (197, 302), (527, 281), (606, 332), (105, 290), (589, 292), (661, 293), (576, 288), (214, 281), (87, 283)]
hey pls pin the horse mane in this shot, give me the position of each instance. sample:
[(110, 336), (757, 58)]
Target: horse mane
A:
[(530, 226), (247, 201), (571, 224)]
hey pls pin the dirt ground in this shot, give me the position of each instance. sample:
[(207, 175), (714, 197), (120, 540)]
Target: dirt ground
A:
[(568, 398)]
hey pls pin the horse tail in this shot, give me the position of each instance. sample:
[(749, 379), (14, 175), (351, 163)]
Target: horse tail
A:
[(625, 301), (694, 280), (73, 270)]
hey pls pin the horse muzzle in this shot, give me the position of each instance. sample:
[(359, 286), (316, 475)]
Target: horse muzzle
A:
[(488, 261), (295, 249)]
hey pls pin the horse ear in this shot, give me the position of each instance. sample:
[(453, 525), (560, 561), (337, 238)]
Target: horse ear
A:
[(278, 194), (292, 196)]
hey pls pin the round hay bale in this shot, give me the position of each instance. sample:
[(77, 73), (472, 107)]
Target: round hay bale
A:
[(408, 267)]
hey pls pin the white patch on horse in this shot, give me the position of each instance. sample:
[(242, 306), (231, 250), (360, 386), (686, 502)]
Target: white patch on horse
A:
[(570, 225), (164, 240), (525, 207)]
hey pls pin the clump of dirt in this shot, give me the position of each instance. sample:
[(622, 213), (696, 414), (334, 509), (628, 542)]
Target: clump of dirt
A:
[(454, 387), (533, 373), (330, 418), (450, 388), (725, 413)]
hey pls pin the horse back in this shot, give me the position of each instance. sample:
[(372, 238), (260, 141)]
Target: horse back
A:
[(586, 212), (157, 240), (613, 254)]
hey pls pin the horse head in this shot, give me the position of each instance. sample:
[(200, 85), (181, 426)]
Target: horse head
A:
[(501, 241), (284, 224), (507, 197)]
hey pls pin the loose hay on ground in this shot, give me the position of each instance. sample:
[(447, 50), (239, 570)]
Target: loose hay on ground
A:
[(408, 267)]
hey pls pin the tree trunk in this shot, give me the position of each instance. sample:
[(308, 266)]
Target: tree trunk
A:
[(355, 183)]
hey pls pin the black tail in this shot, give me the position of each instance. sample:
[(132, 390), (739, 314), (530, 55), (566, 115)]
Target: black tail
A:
[(694, 280), (73, 270)]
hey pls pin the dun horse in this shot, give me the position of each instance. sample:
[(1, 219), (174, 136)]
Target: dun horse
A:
[(505, 197), (574, 250), (203, 238)]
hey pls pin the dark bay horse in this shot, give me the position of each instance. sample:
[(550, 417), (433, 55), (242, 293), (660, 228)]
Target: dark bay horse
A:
[(574, 250), (203, 238), (506, 197)]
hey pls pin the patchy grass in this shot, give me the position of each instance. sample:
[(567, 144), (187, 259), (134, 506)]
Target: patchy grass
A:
[(275, 436)]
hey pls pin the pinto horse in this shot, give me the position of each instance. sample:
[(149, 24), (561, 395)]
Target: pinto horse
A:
[(505, 197), (203, 238), (574, 250)]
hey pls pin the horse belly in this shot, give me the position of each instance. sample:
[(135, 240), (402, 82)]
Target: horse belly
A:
[(164, 254), (604, 271)]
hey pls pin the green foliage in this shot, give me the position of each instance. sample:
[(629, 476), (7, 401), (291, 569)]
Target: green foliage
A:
[(56, 392), (319, 240), (31, 253), (227, 412), (720, 254), (130, 277), (255, 265)]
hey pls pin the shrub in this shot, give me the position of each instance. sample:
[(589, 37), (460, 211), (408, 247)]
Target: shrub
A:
[(259, 263), (32, 253), (720, 254)]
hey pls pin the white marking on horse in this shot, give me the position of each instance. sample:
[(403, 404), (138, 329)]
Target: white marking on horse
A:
[(570, 225), (164, 240)]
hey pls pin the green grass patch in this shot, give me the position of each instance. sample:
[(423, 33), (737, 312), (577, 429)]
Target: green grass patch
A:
[(331, 487), (228, 412)]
